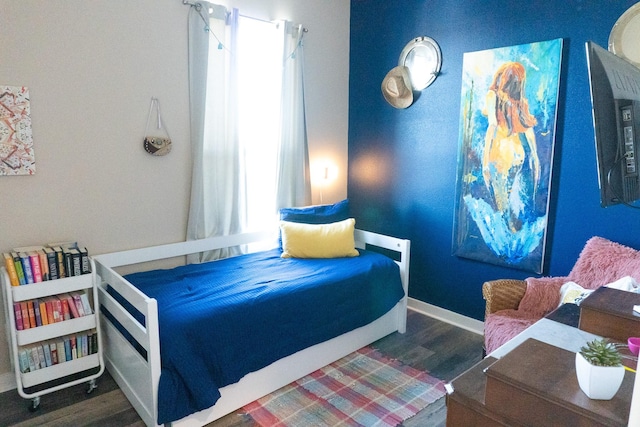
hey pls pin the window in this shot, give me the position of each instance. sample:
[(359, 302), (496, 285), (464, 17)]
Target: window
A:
[(247, 122), (259, 62)]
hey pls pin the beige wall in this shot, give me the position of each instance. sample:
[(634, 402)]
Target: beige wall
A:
[(91, 69)]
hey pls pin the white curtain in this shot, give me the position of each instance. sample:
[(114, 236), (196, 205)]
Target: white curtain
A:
[(293, 176), (216, 205), (218, 191)]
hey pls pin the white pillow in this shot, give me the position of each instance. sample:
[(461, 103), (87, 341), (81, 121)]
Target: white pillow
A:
[(627, 283), (573, 293)]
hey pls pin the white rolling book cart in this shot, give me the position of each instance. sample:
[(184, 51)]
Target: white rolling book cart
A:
[(83, 366)]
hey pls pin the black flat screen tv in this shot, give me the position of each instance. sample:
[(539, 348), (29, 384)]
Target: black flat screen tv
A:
[(615, 98)]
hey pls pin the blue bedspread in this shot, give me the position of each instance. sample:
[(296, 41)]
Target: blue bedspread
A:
[(221, 320)]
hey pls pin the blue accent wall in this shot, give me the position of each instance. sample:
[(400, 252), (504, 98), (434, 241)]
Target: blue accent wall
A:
[(403, 163)]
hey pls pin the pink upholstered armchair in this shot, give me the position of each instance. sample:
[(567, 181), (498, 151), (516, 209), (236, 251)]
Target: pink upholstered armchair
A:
[(514, 305)]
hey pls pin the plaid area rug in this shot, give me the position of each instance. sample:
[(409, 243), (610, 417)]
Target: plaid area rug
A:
[(364, 388)]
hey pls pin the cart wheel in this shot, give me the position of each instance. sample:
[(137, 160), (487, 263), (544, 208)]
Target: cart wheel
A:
[(92, 386), (35, 404)]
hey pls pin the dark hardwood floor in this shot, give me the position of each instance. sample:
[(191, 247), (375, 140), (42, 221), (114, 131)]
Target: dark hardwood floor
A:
[(441, 349)]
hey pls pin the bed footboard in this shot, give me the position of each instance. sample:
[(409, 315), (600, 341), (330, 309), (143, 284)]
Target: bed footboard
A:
[(135, 368), (132, 347)]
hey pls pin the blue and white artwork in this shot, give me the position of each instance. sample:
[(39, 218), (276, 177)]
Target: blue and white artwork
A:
[(507, 131)]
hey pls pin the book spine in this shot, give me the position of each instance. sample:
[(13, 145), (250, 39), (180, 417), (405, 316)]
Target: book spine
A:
[(49, 304), (43, 312), (85, 344), (23, 357), (62, 357), (51, 263), (78, 302), (32, 314), (84, 257), (34, 262), (77, 262), (36, 311), (74, 346), (60, 260), (58, 314), (25, 315), (72, 305), (44, 265), (26, 266), (11, 269), (18, 264), (86, 306), (66, 311), (17, 310), (67, 349), (54, 353), (68, 265), (40, 351), (47, 354), (34, 360)]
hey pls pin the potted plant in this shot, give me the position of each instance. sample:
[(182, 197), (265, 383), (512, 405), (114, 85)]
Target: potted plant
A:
[(599, 369)]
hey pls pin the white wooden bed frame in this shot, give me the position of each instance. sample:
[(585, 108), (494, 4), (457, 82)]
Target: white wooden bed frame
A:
[(138, 378)]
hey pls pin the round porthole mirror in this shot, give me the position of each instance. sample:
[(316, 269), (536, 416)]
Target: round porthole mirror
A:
[(423, 58), (623, 40)]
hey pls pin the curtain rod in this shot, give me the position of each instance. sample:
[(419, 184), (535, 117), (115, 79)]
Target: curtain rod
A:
[(199, 6)]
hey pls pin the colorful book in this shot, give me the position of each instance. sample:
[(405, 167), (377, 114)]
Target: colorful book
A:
[(49, 303), (43, 311), (74, 346), (62, 357), (34, 262), (11, 269), (23, 360), (36, 311), (67, 348), (58, 310), (40, 350), (32, 314), (18, 264), (66, 309), (26, 267), (34, 360), (17, 311), (47, 354), (44, 265), (78, 302), (86, 306), (72, 305), (54, 353), (25, 315)]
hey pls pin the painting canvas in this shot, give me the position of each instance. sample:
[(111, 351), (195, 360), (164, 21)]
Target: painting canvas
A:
[(16, 141), (507, 131)]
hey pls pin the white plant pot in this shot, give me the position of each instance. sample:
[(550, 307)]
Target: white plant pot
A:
[(598, 382)]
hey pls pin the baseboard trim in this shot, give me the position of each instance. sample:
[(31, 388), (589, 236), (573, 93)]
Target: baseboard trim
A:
[(7, 382), (448, 316)]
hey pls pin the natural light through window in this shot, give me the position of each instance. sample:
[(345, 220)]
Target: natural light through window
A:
[(259, 59)]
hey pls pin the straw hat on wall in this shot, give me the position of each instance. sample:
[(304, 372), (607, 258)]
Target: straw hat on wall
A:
[(396, 87)]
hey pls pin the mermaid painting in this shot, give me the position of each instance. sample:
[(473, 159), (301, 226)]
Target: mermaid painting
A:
[(506, 147)]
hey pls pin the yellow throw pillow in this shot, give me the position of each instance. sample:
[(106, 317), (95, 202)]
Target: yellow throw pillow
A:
[(334, 240)]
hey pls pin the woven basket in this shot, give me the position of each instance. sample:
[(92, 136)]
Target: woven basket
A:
[(502, 294)]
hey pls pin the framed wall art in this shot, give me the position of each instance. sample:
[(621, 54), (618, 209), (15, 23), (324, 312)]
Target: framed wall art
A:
[(506, 141), (16, 140)]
